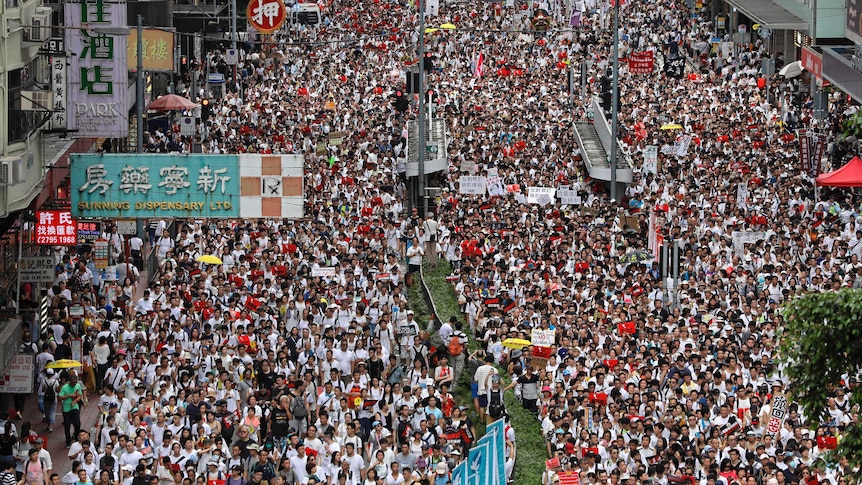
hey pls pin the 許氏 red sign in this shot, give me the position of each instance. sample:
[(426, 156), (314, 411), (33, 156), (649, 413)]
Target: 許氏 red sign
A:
[(55, 228), (266, 16)]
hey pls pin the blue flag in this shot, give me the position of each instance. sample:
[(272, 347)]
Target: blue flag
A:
[(459, 474), (478, 465), (495, 434)]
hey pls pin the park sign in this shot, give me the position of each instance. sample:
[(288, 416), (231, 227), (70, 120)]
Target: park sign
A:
[(98, 71), (128, 186)]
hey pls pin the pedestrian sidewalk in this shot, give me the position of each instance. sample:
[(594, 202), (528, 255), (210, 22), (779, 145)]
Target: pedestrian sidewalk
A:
[(55, 442)]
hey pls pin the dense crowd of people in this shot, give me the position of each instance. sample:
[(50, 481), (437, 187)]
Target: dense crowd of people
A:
[(298, 360)]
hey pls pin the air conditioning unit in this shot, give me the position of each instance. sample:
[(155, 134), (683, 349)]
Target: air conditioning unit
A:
[(11, 171), (36, 100), (40, 25)]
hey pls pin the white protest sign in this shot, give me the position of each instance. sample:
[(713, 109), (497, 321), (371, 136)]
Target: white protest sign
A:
[(328, 272), (741, 238), (568, 196), (741, 195), (533, 193), (651, 159), (495, 186), (468, 166), (682, 148), (471, 184), (544, 200), (542, 338)]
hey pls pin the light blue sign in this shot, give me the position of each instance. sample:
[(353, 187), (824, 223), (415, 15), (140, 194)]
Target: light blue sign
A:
[(146, 185), (477, 464), (497, 444), (459, 474)]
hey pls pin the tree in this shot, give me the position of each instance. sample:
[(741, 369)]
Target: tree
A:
[(821, 346)]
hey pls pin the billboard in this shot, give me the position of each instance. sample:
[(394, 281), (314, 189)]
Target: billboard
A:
[(190, 185), (853, 22), (55, 228), (157, 50), (98, 72)]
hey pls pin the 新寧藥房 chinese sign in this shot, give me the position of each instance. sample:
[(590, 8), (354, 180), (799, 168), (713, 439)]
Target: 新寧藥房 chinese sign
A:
[(98, 73), (209, 186)]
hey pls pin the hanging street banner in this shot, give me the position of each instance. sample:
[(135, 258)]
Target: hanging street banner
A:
[(157, 50), (98, 71), (126, 186)]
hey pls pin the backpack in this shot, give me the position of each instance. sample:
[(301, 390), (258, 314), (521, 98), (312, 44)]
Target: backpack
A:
[(50, 394), (455, 347), (495, 403), (298, 408)]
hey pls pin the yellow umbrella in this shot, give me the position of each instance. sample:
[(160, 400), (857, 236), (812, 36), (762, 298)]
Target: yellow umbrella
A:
[(516, 343), (671, 126), (209, 259), (430, 30), (63, 364), (448, 26)]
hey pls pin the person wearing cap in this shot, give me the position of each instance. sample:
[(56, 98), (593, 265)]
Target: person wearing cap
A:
[(49, 386)]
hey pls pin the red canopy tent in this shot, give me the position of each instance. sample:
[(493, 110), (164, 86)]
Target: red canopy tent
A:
[(849, 175)]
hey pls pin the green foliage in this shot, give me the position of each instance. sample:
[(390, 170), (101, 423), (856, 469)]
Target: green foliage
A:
[(821, 343), (531, 448)]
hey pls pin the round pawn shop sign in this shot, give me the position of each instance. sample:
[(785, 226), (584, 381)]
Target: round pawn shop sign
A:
[(266, 16)]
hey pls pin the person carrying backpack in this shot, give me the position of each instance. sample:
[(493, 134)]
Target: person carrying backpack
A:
[(496, 407), (48, 392), (298, 411)]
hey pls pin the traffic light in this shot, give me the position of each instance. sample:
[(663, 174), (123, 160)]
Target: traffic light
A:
[(400, 102), (428, 61), (606, 98), (413, 82), (206, 109)]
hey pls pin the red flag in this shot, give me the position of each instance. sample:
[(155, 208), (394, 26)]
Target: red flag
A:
[(626, 327)]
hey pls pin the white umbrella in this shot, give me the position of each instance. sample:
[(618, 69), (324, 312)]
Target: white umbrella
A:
[(792, 70)]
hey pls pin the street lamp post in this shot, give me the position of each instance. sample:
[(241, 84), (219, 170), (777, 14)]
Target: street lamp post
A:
[(139, 85), (421, 118), (615, 99)]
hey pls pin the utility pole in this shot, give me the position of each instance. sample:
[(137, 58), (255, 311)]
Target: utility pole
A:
[(420, 8), (139, 85), (615, 100)]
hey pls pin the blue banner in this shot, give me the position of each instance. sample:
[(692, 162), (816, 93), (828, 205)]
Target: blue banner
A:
[(459, 474), (478, 463), (147, 185), (496, 434)]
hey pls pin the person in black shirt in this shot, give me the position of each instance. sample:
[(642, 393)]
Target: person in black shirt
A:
[(279, 421), (375, 365)]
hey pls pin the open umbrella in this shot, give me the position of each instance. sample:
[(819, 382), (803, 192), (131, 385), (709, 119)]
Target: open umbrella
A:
[(447, 26), (635, 257), (431, 30), (792, 70), (209, 259), (171, 102), (516, 343), (63, 364), (671, 126)]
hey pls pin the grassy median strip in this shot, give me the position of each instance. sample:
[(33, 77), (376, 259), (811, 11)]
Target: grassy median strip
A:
[(530, 443)]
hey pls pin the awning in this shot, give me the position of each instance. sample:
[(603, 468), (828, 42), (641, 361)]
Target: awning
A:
[(769, 14)]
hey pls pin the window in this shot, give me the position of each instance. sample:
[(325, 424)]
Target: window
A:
[(21, 123)]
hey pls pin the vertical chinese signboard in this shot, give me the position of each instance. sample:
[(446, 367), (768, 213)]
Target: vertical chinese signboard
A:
[(55, 228), (98, 76), (57, 47)]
